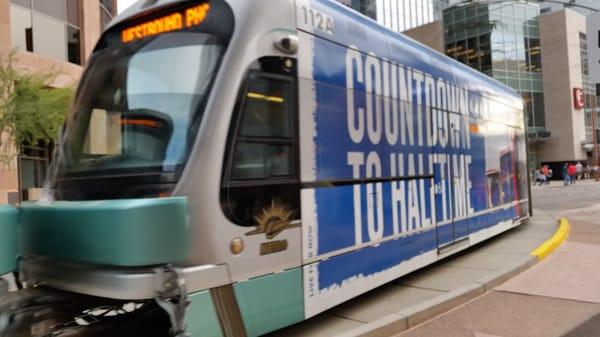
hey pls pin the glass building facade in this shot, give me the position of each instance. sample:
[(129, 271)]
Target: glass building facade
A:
[(400, 15), (406, 14), (502, 40), (107, 8)]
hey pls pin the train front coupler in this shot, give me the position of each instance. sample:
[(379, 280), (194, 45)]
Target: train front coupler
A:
[(114, 252), (8, 242)]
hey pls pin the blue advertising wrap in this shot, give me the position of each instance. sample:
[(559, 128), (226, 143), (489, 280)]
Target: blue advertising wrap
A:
[(411, 152)]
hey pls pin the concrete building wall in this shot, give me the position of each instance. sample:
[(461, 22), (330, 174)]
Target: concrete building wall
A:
[(561, 64), (91, 27), (431, 35), (593, 35), (8, 175), (4, 25)]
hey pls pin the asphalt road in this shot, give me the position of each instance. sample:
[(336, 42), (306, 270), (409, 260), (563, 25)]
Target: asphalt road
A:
[(557, 198)]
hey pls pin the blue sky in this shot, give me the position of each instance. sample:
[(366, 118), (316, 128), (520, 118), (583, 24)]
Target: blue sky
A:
[(123, 4)]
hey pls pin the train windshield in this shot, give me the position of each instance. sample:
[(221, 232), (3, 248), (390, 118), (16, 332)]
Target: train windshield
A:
[(138, 108), (138, 105)]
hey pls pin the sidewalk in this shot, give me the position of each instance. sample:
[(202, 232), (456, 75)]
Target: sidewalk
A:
[(551, 299)]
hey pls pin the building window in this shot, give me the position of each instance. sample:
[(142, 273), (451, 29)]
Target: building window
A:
[(106, 12), (24, 3), (108, 5), (584, 53), (33, 166), (21, 28), (534, 106), (73, 45), (47, 27), (533, 55), (49, 36), (485, 50)]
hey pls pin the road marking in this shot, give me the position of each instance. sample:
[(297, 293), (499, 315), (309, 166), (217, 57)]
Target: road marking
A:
[(556, 240)]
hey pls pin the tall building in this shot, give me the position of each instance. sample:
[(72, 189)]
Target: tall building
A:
[(584, 7), (503, 41), (400, 15), (564, 64), (543, 56), (46, 35), (593, 55)]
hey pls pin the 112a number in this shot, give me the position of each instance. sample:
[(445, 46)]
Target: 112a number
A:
[(318, 20)]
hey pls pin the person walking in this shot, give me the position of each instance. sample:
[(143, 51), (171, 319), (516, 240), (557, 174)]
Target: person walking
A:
[(579, 170), (565, 174), (572, 172)]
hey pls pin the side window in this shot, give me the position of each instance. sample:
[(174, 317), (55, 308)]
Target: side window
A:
[(261, 183)]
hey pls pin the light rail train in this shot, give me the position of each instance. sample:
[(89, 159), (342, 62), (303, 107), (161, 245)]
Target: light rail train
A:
[(232, 167)]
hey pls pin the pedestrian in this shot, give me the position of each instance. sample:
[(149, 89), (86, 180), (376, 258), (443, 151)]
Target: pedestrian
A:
[(579, 170), (548, 176), (540, 178), (565, 174), (572, 173)]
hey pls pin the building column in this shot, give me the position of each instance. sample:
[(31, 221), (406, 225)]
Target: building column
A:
[(90, 26), (8, 173), (5, 39)]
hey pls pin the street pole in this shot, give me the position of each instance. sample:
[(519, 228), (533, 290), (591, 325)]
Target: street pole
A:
[(594, 135)]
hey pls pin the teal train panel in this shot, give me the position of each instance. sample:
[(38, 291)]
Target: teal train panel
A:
[(127, 233), (8, 239), (271, 302), (201, 317)]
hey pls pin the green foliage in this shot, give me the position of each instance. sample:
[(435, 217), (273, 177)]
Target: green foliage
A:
[(30, 111)]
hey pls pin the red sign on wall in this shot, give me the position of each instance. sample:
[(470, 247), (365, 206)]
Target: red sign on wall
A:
[(578, 98)]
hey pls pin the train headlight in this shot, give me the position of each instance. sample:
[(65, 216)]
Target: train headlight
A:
[(236, 246)]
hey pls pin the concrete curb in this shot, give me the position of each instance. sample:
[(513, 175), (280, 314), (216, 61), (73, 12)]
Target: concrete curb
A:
[(410, 317), (556, 240), (440, 304), (492, 281), (415, 315)]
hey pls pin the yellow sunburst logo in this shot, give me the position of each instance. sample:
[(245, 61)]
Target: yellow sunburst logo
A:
[(273, 220)]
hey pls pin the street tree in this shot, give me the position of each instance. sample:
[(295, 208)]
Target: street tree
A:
[(31, 112)]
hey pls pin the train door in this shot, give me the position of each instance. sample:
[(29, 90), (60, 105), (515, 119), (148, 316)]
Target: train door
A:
[(261, 189), (451, 182), (520, 167)]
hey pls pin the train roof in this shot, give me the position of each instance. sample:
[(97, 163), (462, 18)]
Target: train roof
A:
[(356, 30)]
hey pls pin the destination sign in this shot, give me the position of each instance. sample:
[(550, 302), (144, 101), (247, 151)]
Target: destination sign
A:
[(186, 18)]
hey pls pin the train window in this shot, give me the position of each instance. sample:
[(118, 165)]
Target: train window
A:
[(261, 175), (261, 161), (266, 109)]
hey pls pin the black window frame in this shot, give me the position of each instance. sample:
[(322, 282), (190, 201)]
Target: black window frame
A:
[(234, 139)]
